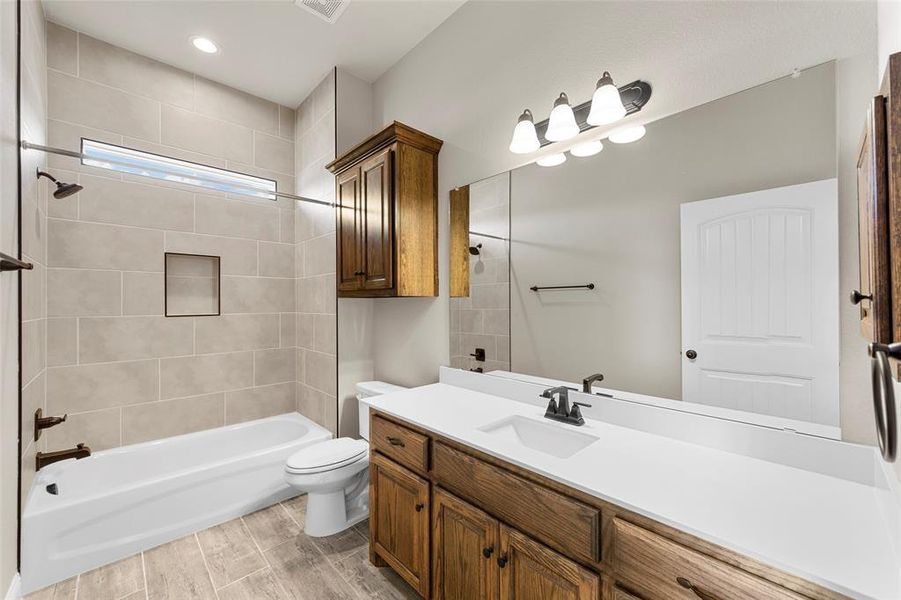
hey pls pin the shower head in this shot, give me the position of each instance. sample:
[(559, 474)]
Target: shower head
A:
[(475, 250), (63, 190)]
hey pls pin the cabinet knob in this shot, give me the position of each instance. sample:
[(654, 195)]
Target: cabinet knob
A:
[(857, 297), (502, 561), (359, 273), (419, 507), (487, 552)]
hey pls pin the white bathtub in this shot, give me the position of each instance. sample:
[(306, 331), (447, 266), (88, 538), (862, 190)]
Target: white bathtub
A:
[(119, 502)]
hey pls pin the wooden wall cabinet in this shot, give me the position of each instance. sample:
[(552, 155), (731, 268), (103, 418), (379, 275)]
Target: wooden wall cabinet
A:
[(387, 215)]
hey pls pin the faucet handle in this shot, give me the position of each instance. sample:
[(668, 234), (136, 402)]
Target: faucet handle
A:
[(576, 413), (551, 407)]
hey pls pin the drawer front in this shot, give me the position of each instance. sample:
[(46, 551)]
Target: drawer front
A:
[(406, 446), (659, 569), (562, 523), (621, 594)]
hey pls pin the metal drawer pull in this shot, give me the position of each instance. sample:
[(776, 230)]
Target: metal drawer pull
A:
[(884, 398), (487, 552), (395, 441), (695, 589), (419, 507), (502, 561)]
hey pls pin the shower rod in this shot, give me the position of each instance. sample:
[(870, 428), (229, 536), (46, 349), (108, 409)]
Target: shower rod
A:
[(73, 154)]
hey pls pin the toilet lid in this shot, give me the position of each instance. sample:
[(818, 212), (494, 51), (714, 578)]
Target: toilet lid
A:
[(327, 456)]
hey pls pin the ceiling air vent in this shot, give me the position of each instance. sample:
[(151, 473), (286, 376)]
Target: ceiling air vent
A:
[(327, 10)]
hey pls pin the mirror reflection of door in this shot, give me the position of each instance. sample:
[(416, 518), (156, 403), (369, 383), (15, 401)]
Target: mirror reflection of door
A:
[(760, 302)]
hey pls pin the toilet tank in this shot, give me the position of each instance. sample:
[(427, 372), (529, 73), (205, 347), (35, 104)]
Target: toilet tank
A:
[(368, 389)]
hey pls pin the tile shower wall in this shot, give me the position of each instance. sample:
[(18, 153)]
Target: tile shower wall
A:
[(317, 332), (483, 319), (34, 232), (123, 371)]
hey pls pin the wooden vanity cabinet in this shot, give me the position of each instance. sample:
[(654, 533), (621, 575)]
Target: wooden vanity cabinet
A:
[(387, 215), (465, 543)]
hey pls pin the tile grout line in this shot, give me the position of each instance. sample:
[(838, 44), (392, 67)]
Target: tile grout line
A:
[(278, 580), (144, 573), (206, 565)]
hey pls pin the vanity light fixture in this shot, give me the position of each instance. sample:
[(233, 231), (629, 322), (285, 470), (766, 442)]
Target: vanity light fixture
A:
[(562, 124), (551, 160), (205, 45), (525, 139), (627, 135), (606, 103), (587, 148)]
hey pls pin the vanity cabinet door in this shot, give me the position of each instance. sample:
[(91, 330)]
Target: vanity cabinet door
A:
[(350, 231), (377, 176), (464, 550), (399, 520), (531, 571)]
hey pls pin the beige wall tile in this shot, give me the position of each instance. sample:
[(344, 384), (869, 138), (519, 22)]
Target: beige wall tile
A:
[(173, 152), (314, 220), (191, 131), (142, 293), (76, 100), (257, 295), (301, 370), (286, 224), (172, 417), (125, 203), (82, 292), (34, 228), (230, 333), (195, 375), (288, 330), (32, 399), (325, 334), (67, 208), (226, 103), (319, 255), (317, 294), (274, 153), (62, 48), (286, 119), (87, 246), (107, 339), (238, 257), (68, 135), (34, 291), (119, 68), (318, 406), (283, 182), (34, 344), (321, 372), (220, 216), (192, 296), (276, 260), (62, 342), (91, 387), (259, 402), (274, 366), (305, 330), (98, 429)]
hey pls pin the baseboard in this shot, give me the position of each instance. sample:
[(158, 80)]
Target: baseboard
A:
[(15, 588)]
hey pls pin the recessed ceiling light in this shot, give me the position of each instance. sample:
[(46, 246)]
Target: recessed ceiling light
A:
[(628, 135), (551, 160), (205, 44)]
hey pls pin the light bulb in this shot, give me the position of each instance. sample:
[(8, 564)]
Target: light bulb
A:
[(525, 139), (562, 123), (205, 44), (551, 160), (606, 104), (627, 135), (587, 148)]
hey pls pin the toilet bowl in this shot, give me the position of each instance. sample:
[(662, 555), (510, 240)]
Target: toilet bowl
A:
[(335, 473)]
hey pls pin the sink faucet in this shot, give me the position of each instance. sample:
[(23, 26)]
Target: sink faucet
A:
[(588, 381), (42, 459), (559, 410)]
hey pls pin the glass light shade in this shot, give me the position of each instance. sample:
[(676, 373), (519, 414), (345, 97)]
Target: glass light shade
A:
[(551, 160), (562, 123), (525, 139), (587, 148), (606, 104), (627, 135)]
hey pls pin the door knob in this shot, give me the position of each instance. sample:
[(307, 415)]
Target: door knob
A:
[(856, 297), (691, 354)]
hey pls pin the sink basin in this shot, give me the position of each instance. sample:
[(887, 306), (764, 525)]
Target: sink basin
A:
[(536, 435)]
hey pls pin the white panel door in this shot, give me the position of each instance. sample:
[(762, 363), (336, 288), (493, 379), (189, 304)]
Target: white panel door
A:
[(760, 302)]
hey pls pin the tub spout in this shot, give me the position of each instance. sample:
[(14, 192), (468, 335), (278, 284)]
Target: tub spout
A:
[(42, 459)]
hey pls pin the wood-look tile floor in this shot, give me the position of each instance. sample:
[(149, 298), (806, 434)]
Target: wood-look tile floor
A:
[(261, 556)]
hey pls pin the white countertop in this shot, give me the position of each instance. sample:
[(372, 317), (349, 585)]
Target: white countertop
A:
[(828, 530)]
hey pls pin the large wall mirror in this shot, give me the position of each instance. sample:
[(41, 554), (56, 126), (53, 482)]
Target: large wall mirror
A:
[(698, 264)]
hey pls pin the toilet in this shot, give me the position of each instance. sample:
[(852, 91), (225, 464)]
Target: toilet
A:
[(335, 473)]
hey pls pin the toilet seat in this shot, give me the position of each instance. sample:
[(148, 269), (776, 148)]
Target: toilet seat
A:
[(327, 456)]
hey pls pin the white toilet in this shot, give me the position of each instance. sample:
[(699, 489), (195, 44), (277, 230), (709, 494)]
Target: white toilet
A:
[(335, 473)]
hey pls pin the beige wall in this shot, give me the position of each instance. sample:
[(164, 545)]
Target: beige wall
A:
[(123, 371), (317, 362), (888, 19)]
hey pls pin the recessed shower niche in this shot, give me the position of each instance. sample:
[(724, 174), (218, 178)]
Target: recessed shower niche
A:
[(192, 285)]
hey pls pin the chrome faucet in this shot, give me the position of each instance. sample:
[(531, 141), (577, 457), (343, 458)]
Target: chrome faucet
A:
[(42, 459), (559, 410), (588, 381)]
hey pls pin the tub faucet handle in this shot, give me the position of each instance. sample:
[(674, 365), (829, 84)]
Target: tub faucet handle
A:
[(41, 422)]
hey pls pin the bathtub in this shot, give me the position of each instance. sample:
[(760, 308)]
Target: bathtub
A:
[(119, 502)]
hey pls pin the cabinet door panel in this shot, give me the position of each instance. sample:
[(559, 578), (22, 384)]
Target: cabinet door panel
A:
[(378, 221), (350, 231), (531, 571), (464, 550), (399, 520)]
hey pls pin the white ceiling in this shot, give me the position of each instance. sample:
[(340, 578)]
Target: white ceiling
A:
[(269, 48)]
